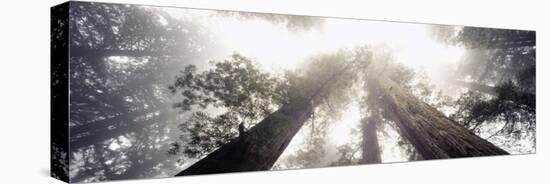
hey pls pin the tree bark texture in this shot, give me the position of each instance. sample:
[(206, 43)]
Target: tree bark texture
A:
[(370, 147), (260, 147), (432, 134)]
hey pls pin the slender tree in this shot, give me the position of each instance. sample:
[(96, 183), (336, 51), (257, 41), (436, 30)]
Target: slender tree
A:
[(370, 147), (369, 128)]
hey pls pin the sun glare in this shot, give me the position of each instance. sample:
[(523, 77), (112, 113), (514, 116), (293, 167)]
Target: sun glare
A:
[(340, 131), (389, 147), (274, 46), (161, 91)]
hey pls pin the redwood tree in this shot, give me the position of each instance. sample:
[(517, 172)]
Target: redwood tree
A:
[(259, 147), (432, 134)]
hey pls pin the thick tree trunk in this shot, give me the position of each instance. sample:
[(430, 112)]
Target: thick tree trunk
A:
[(370, 147), (260, 147), (432, 134)]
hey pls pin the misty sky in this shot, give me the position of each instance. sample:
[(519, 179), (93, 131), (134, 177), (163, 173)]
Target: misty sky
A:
[(278, 47)]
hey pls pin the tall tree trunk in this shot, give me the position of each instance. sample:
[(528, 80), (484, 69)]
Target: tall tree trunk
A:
[(260, 147), (369, 145), (432, 134)]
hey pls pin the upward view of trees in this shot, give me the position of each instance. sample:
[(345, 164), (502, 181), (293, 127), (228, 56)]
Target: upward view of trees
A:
[(123, 58), (499, 72), (150, 96), (296, 98)]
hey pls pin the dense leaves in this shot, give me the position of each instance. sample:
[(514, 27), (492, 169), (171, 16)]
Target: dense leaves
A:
[(121, 59), (146, 103), (238, 87), (500, 68), (515, 109)]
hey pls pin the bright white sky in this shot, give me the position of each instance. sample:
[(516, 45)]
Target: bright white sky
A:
[(276, 47)]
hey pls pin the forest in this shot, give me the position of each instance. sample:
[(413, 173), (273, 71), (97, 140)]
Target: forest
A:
[(162, 92)]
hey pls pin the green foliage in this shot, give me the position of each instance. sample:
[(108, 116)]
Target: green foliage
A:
[(408, 149), (207, 133), (402, 75), (526, 80), (514, 108), (237, 85), (504, 59), (123, 55), (482, 38), (312, 153), (332, 79), (493, 56), (349, 155), (246, 94)]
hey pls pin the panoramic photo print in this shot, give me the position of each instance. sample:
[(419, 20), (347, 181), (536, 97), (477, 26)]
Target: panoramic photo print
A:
[(164, 91)]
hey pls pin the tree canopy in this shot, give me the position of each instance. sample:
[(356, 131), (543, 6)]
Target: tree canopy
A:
[(157, 92)]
